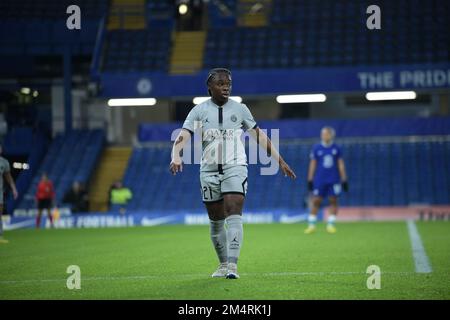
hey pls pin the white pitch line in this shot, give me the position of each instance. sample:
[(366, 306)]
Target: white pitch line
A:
[(195, 275), (421, 261)]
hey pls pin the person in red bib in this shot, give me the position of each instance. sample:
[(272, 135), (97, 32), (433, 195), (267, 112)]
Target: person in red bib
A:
[(45, 196)]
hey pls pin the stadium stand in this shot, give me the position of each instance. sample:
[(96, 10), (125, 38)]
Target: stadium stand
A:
[(39, 27), (223, 13), (328, 33), (70, 157), (160, 13), (299, 34), (134, 50), (304, 33), (392, 172), (49, 9), (29, 144)]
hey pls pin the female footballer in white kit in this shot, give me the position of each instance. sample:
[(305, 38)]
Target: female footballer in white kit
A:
[(223, 170)]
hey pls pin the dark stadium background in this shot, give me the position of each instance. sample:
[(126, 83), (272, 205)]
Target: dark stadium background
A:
[(55, 84)]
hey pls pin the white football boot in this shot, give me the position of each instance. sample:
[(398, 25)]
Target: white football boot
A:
[(221, 271), (232, 271)]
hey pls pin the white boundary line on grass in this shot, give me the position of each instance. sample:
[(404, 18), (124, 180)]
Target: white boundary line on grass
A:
[(421, 261), (196, 275)]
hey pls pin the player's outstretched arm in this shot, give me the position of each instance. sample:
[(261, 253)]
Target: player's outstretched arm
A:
[(11, 183), (343, 174), (264, 141), (311, 171), (176, 164)]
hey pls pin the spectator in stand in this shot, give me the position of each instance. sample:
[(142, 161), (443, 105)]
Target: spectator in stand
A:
[(119, 196), (111, 188), (77, 197), (45, 198)]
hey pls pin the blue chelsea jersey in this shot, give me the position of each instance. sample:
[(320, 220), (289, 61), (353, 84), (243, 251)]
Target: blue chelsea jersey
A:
[(327, 157)]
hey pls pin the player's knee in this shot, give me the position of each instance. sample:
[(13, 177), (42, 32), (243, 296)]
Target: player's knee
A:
[(233, 204), (215, 211), (317, 202), (233, 209)]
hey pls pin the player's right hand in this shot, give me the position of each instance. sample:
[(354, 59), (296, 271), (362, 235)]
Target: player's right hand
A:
[(288, 172), (176, 165)]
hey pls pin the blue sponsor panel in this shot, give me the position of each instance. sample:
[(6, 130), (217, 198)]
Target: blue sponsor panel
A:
[(283, 81), (148, 219)]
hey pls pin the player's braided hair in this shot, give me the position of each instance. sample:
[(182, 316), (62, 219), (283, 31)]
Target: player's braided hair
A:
[(213, 72)]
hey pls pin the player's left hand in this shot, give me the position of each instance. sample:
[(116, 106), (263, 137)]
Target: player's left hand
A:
[(288, 172), (15, 194), (345, 186)]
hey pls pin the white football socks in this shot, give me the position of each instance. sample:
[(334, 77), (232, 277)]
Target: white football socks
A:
[(332, 219), (219, 239), (235, 234), (312, 219)]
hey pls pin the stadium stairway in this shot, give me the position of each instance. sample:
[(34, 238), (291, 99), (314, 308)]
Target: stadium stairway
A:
[(127, 14), (187, 53), (253, 13), (112, 165)]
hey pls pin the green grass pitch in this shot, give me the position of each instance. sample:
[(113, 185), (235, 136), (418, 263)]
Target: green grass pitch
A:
[(175, 262)]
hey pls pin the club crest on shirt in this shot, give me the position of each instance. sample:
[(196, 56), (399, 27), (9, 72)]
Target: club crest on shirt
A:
[(233, 118)]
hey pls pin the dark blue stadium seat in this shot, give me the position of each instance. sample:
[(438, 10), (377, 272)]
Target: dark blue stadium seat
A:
[(331, 33), (38, 28), (71, 157), (380, 174), (134, 50)]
